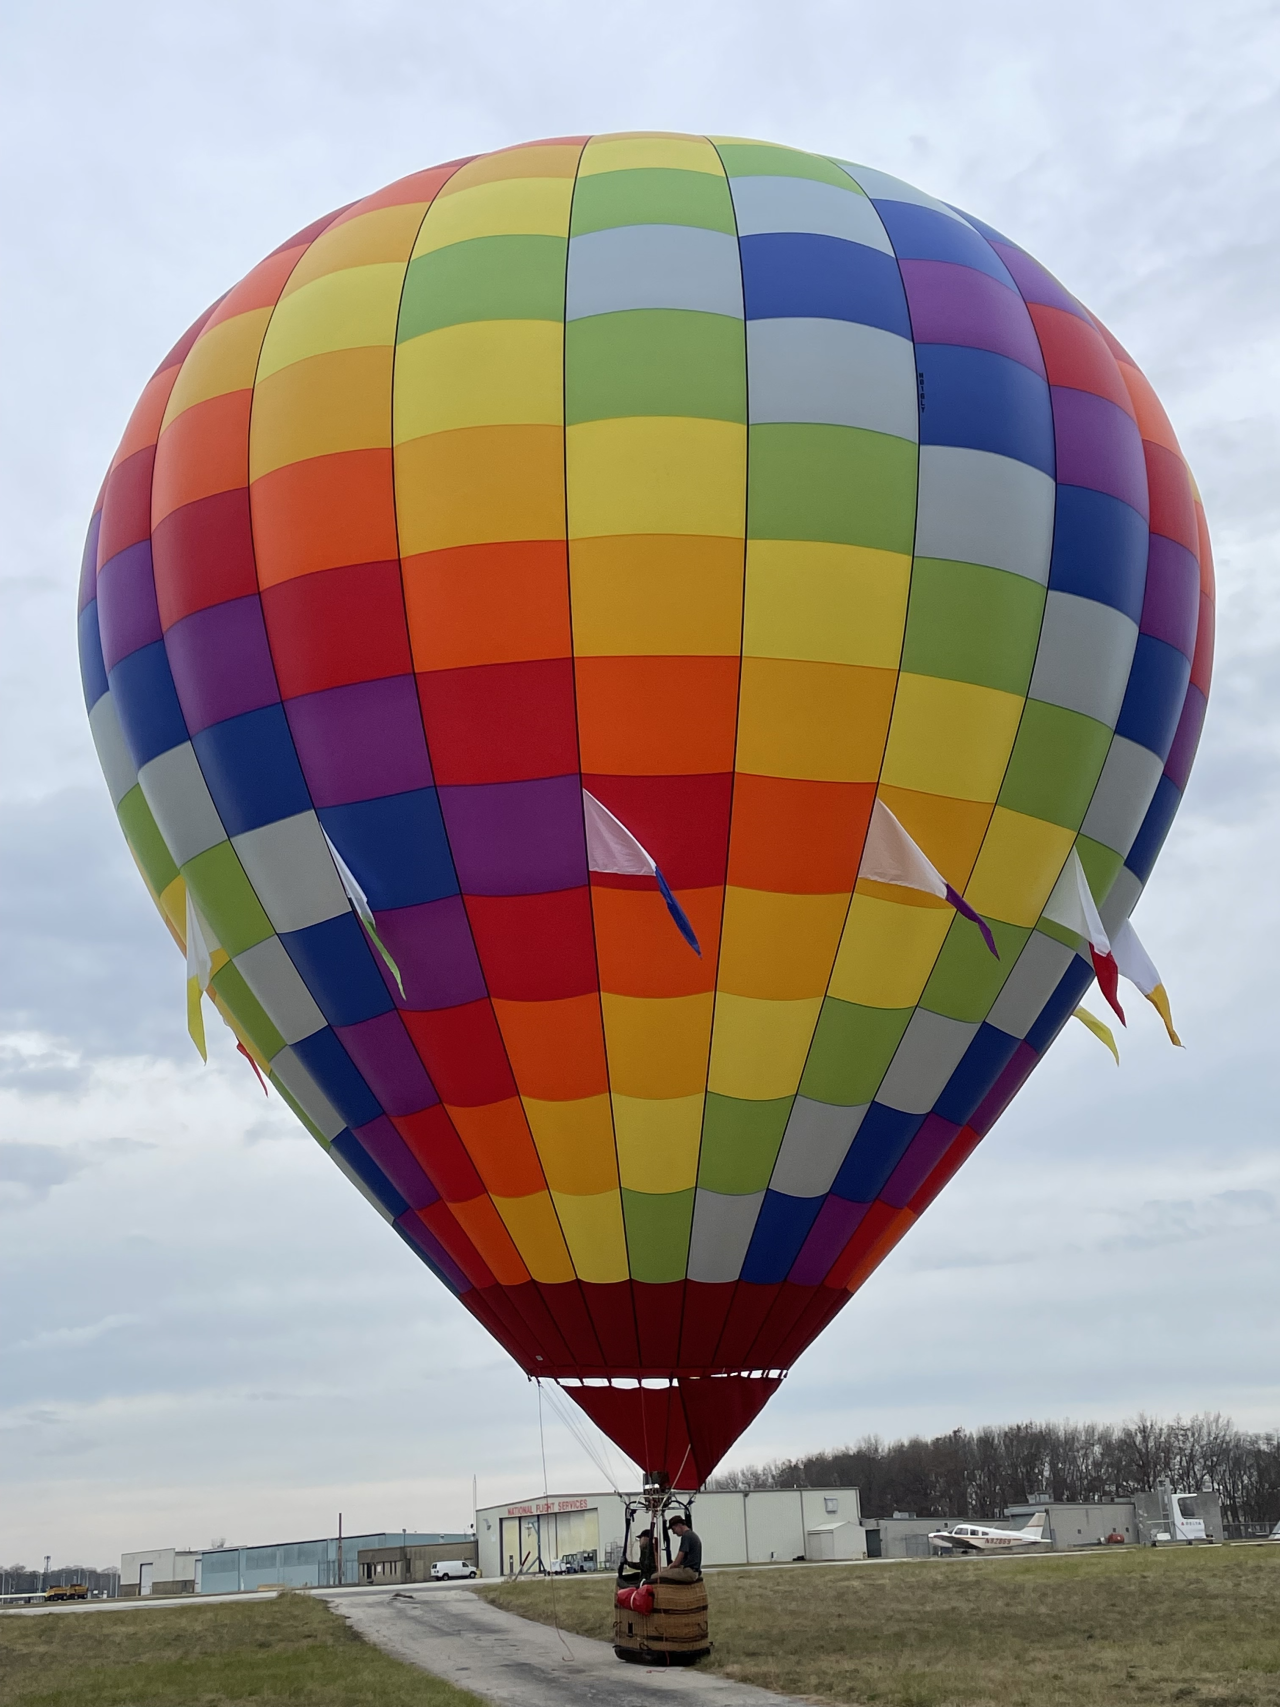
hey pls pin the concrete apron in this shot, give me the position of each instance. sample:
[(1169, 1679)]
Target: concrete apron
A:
[(517, 1663)]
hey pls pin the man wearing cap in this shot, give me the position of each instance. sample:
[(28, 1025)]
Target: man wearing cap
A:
[(686, 1567)]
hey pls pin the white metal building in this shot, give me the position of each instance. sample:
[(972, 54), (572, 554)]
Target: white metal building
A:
[(756, 1526), (159, 1570)]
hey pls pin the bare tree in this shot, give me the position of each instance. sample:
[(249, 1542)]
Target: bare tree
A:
[(977, 1473)]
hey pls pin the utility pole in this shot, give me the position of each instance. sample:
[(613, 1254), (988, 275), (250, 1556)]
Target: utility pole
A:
[(339, 1549)]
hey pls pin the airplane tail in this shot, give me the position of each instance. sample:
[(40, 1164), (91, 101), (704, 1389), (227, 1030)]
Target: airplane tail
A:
[(1035, 1529)]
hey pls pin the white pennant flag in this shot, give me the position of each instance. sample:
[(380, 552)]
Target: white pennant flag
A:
[(890, 855), (360, 901), (1138, 967), (612, 848), (1072, 906), (199, 974)]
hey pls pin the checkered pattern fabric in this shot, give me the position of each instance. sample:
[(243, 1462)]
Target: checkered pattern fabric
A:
[(738, 486)]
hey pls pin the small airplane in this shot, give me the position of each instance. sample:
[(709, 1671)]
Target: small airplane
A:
[(981, 1538)]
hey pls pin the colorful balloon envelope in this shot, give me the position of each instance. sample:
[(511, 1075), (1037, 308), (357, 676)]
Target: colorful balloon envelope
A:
[(680, 498)]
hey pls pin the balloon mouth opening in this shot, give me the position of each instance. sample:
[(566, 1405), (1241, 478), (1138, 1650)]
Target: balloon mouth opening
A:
[(675, 1428)]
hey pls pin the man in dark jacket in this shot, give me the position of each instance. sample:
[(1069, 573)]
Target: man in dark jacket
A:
[(646, 1561)]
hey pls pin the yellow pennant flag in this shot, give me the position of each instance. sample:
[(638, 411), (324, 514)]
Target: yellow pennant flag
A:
[(199, 972), (1102, 1032), (1138, 967), (1159, 1000)]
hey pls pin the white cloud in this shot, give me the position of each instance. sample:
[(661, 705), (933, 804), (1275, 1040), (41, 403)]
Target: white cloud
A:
[(206, 1331)]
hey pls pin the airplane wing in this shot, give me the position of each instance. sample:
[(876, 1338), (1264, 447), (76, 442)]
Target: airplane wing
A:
[(948, 1538)]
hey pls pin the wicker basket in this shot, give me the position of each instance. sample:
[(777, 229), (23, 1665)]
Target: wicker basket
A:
[(674, 1633)]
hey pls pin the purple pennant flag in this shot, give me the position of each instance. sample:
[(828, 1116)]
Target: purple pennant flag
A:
[(889, 855), (962, 906)]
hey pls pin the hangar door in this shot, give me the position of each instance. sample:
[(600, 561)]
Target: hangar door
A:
[(526, 1540)]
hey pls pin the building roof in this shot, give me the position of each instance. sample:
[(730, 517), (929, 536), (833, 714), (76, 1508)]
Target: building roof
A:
[(374, 1538)]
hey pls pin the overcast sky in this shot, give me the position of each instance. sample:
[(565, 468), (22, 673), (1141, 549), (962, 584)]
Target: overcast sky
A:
[(205, 1331)]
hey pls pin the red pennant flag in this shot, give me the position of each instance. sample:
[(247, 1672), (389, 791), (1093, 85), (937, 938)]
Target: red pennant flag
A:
[(1072, 905), (257, 1071)]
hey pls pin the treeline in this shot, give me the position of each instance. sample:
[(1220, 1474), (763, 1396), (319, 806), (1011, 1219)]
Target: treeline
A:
[(977, 1473), (24, 1579)]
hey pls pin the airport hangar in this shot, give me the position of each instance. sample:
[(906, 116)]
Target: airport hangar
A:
[(778, 1525), (290, 1564), (759, 1526), (745, 1526)]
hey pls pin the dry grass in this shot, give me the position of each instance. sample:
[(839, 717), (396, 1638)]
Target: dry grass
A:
[(288, 1652), (1114, 1629)]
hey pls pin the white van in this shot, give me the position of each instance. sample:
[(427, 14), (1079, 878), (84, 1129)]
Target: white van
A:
[(443, 1569)]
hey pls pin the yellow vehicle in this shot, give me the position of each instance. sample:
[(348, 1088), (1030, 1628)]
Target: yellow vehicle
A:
[(67, 1591)]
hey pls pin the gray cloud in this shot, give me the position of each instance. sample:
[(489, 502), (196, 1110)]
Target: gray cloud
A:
[(33, 1170), (45, 1072), (29, 1172), (87, 957), (1184, 1220)]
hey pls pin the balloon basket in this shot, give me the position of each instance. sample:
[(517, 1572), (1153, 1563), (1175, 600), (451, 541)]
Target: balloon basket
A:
[(674, 1633)]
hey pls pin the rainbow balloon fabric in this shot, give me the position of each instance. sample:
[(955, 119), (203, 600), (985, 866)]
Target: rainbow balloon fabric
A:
[(737, 486)]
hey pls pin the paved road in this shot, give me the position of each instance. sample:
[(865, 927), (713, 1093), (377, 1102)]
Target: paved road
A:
[(516, 1663)]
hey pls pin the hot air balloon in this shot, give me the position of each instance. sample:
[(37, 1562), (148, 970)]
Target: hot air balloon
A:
[(507, 610)]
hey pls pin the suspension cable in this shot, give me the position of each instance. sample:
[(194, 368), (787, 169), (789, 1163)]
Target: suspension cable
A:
[(573, 1422), (546, 1500)]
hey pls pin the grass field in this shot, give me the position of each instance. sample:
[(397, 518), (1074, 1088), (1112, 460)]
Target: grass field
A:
[(1179, 1626), (269, 1653)]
